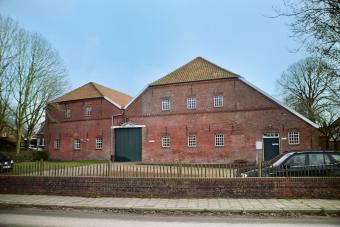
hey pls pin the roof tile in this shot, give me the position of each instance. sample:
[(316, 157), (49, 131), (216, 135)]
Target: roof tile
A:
[(196, 70), (93, 90)]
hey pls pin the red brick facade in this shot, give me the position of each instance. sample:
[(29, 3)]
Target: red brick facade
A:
[(79, 126), (244, 118), (246, 115)]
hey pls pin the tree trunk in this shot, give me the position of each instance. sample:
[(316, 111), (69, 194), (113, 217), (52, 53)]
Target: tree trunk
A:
[(18, 145)]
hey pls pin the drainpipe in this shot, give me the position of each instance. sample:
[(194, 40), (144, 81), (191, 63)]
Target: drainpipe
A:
[(111, 131)]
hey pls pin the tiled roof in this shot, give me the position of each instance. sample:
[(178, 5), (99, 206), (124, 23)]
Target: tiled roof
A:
[(93, 90), (196, 70)]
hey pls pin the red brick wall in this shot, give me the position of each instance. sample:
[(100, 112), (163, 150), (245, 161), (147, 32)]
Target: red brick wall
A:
[(86, 128), (288, 188), (243, 119)]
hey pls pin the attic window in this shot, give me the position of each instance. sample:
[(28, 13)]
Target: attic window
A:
[(88, 111), (165, 104), (218, 101), (67, 113), (191, 103)]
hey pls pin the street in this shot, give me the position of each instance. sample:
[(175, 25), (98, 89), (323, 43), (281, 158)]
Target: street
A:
[(40, 217)]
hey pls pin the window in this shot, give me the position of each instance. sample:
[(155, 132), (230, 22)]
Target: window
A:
[(271, 134), (99, 143), (219, 140), (293, 138), (336, 157), (67, 113), (56, 144), (319, 159), (88, 111), (40, 141), (218, 101), (76, 144), (191, 103), (166, 141), (297, 160), (192, 141), (165, 104)]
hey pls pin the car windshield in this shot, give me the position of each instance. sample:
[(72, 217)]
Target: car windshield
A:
[(279, 159)]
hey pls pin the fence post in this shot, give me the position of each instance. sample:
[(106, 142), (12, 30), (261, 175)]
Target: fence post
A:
[(41, 167), (260, 168)]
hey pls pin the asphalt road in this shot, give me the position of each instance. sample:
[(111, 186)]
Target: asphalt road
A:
[(39, 217)]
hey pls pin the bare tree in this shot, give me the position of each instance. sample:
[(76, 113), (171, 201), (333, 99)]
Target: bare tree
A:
[(50, 83), (317, 26), (311, 87), (39, 76), (8, 35)]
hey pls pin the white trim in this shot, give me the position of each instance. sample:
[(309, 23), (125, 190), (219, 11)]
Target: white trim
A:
[(128, 126), (113, 102), (278, 102), (132, 100)]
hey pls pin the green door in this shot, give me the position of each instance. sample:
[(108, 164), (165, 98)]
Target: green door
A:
[(271, 148), (128, 144)]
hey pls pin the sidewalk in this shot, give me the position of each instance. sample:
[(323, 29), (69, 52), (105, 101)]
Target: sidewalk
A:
[(239, 206)]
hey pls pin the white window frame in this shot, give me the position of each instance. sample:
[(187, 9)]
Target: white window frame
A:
[(88, 111), (166, 104), (67, 113), (191, 103), (219, 140), (56, 144), (99, 143), (166, 141), (192, 141), (76, 144), (293, 138), (218, 101), (41, 142)]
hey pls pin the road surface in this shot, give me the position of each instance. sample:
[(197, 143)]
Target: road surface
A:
[(39, 217)]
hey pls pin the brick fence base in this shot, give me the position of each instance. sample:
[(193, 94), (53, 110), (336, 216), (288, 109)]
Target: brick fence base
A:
[(323, 188)]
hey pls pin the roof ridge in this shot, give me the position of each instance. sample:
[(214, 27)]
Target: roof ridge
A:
[(95, 87)]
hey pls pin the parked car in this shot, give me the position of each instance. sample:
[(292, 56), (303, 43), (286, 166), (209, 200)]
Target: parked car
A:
[(298, 163), (6, 164), (34, 148)]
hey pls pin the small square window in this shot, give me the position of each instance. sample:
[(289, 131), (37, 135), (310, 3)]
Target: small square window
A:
[(191, 103), (165, 104), (166, 141), (76, 144), (99, 143), (88, 111), (219, 140), (293, 138), (192, 141), (56, 144), (67, 113), (218, 101)]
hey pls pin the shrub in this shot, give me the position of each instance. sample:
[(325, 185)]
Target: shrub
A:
[(40, 155), (28, 156)]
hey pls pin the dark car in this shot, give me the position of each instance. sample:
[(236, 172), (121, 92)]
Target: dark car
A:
[(298, 163), (6, 164)]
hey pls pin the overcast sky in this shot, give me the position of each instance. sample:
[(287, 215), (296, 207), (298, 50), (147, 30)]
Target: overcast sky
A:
[(127, 44)]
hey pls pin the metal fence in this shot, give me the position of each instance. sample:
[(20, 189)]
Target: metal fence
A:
[(165, 170)]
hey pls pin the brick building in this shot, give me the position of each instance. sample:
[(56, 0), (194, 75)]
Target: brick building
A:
[(78, 123), (198, 113)]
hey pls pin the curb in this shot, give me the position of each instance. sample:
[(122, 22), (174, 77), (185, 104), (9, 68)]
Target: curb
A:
[(166, 211)]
